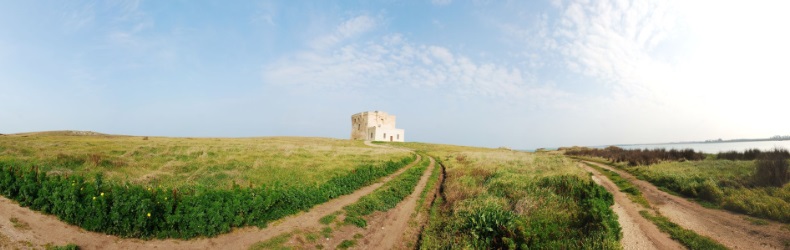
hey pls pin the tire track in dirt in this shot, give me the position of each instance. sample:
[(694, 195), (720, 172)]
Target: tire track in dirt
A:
[(638, 232), (45, 229), (387, 234), (729, 229), (393, 229)]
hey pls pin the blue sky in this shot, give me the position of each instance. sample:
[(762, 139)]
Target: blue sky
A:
[(521, 74)]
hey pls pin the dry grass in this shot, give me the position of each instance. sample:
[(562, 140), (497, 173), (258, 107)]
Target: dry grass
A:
[(517, 194), (175, 162)]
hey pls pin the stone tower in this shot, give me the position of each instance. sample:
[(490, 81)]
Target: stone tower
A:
[(375, 126)]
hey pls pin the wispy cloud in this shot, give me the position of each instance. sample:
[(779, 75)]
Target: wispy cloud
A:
[(266, 13), (393, 61), (77, 16), (612, 40), (348, 29)]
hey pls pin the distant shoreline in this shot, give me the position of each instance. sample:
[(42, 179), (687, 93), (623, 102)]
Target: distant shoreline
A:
[(702, 142)]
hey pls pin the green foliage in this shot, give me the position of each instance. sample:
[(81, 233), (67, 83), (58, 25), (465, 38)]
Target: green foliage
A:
[(686, 237), (386, 196), (145, 212), (66, 247), (326, 232), (328, 219), (346, 244), (273, 243)]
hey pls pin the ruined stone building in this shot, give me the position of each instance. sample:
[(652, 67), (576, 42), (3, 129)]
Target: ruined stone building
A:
[(375, 126)]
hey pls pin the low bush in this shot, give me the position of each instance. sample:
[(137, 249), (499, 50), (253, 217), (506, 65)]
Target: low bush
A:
[(635, 157), (138, 211), (746, 155), (772, 168)]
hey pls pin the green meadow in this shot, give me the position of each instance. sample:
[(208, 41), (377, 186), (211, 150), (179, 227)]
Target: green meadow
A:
[(178, 162)]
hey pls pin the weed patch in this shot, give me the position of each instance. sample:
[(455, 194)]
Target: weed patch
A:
[(688, 238), (19, 224), (326, 220), (64, 247), (273, 243), (346, 244)]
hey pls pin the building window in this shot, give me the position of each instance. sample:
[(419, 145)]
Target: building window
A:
[(371, 136), (398, 136), (385, 135)]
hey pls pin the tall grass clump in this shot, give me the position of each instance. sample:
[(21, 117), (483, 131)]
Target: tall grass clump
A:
[(772, 168)]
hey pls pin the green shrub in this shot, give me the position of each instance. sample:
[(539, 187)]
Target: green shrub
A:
[(493, 227), (772, 169), (709, 191), (66, 247)]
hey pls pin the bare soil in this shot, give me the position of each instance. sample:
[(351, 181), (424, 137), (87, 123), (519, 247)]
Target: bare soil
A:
[(396, 228), (48, 229), (638, 232), (730, 229)]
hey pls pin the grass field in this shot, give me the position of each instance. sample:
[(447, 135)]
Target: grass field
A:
[(720, 183), (716, 183), (178, 162), (493, 198), (182, 187), (499, 198)]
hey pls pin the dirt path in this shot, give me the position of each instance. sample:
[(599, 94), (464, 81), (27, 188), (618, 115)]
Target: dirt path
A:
[(393, 229), (387, 233), (40, 229), (638, 232), (729, 229)]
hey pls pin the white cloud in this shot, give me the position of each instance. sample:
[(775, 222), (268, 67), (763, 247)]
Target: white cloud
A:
[(393, 62), (348, 29), (612, 40), (694, 58)]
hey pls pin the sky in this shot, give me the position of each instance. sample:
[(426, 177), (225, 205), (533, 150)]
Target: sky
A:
[(518, 74)]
